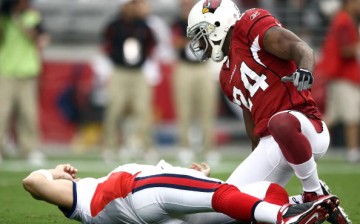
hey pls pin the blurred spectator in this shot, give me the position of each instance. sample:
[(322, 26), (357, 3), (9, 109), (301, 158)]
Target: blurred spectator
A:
[(339, 63), (128, 42), (158, 70), (196, 95), (161, 58), (21, 35), (163, 52)]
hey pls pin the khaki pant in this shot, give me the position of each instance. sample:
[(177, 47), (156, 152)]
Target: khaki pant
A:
[(196, 99), (128, 89), (343, 103), (20, 94)]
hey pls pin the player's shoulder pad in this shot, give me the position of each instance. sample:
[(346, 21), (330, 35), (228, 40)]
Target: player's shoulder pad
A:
[(254, 21), (162, 164), (254, 14)]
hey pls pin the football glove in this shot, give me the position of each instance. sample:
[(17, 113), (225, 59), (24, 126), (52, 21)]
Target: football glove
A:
[(302, 79)]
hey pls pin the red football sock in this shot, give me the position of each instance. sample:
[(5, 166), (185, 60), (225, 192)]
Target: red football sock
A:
[(276, 195), (229, 200)]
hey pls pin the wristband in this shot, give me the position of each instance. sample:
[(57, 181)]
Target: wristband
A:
[(46, 173)]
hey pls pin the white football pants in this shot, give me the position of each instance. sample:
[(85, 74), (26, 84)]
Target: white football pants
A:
[(267, 163)]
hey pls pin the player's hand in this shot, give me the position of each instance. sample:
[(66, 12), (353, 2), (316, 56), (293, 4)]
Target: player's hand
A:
[(203, 168), (66, 171), (302, 79)]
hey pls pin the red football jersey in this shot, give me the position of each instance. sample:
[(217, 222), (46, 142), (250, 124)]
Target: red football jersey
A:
[(251, 77)]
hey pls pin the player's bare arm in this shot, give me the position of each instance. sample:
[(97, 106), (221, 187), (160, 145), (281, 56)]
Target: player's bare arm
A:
[(284, 44), (288, 46), (249, 127), (54, 185)]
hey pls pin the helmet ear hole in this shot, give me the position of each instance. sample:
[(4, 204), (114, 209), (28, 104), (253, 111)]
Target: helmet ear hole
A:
[(217, 23)]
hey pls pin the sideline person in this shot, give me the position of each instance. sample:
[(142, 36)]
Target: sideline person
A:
[(22, 35)]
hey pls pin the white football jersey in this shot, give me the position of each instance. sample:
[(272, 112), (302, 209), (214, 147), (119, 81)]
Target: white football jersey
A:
[(117, 209)]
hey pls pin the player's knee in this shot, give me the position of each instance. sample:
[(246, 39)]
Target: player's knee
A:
[(283, 124)]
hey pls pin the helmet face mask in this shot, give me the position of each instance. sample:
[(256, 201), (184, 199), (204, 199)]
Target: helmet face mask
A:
[(208, 24), (200, 43)]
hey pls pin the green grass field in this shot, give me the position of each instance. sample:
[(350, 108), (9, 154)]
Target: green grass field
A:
[(17, 207)]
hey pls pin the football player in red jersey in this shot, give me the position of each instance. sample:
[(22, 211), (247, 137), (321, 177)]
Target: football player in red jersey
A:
[(268, 73)]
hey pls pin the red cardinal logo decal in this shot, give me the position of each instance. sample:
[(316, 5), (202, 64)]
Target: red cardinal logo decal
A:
[(210, 6)]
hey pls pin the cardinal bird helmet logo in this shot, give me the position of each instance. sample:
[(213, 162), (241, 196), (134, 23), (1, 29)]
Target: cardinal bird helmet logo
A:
[(210, 6)]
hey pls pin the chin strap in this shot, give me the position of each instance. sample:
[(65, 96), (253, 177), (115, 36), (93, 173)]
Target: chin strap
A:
[(217, 54)]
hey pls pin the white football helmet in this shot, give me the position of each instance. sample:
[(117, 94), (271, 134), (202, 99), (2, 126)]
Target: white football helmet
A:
[(208, 24)]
